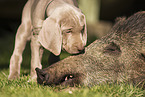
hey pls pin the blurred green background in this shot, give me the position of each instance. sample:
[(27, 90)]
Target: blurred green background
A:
[(100, 15)]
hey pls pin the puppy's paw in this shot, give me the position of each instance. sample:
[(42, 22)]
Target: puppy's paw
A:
[(32, 79), (13, 76)]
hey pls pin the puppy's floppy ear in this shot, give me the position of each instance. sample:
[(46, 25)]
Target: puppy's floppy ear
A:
[(50, 36)]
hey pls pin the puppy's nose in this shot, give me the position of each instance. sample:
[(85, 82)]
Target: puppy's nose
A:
[(80, 46), (81, 49)]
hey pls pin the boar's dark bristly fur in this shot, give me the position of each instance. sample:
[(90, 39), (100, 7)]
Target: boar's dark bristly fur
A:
[(117, 57)]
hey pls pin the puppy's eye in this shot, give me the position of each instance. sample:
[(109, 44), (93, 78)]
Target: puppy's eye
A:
[(112, 49), (68, 31)]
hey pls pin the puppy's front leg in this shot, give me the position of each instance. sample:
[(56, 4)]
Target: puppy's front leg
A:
[(36, 56), (23, 34)]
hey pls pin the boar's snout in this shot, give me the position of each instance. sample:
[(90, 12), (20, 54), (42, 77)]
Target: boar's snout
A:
[(42, 76), (65, 79)]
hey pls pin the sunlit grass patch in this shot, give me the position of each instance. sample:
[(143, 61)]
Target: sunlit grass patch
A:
[(22, 88)]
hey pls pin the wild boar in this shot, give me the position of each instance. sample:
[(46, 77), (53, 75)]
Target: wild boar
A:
[(117, 57)]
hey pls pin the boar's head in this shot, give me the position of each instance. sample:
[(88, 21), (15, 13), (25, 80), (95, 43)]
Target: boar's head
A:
[(117, 57)]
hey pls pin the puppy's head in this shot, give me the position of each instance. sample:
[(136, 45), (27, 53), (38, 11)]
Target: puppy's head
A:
[(74, 33), (64, 28)]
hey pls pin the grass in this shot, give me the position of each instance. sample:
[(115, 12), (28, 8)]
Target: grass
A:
[(22, 88)]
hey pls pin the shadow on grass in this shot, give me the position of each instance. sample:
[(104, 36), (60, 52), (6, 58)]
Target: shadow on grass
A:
[(4, 66)]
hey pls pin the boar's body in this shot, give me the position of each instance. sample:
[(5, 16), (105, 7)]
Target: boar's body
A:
[(117, 57)]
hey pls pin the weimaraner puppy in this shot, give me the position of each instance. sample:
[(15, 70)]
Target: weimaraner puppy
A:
[(49, 24)]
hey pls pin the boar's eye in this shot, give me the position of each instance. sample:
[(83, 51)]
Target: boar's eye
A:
[(112, 49), (67, 80), (71, 79)]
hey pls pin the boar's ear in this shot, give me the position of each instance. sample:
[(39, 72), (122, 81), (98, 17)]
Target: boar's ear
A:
[(112, 49), (120, 19), (42, 76), (143, 53)]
